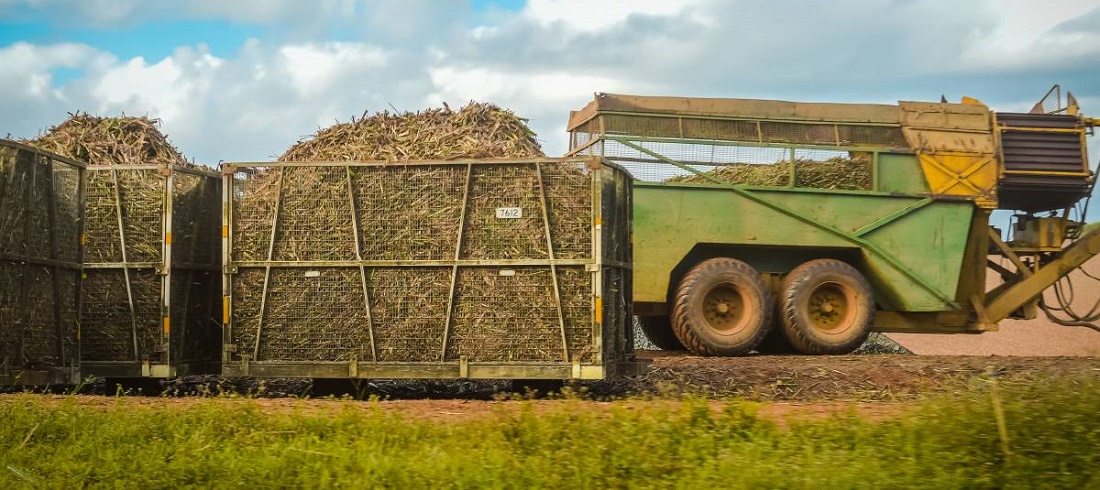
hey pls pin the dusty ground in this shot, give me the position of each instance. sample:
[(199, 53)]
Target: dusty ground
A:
[(787, 388), (1038, 337), (869, 377)]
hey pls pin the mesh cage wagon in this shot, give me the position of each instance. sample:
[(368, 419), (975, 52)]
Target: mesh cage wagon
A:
[(41, 196), (150, 299), (513, 269)]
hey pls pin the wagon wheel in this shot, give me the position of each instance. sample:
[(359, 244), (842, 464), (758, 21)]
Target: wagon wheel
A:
[(826, 307), (721, 308), (658, 330)]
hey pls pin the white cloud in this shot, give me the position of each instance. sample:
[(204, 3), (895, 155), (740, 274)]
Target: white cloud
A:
[(314, 68), (587, 15), (1027, 38), (27, 68), (542, 62)]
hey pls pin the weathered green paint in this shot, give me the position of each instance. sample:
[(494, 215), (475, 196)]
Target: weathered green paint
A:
[(901, 173), (925, 244)]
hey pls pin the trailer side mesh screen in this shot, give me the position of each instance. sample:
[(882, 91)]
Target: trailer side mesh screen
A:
[(454, 261)]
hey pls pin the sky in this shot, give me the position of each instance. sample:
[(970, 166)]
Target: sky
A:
[(243, 80)]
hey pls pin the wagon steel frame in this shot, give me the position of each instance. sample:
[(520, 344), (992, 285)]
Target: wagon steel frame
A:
[(608, 318), (140, 366), (65, 368)]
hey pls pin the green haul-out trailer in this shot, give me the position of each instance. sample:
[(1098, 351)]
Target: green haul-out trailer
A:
[(770, 225)]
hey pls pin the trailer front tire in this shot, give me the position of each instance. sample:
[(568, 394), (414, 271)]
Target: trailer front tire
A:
[(721, 308), (826, 307)]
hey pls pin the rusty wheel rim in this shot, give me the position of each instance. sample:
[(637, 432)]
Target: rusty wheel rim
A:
[(724, 308), (830, 307)]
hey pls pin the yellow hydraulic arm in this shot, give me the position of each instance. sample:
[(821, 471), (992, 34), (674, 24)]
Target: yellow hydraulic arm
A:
[(1028, 289)]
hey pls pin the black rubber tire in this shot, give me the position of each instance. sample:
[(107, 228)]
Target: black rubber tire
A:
[(826, 307), (658, 330), (721, 308)]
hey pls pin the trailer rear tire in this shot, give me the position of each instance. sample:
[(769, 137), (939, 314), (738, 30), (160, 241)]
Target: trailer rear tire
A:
[(826, 307), (658, 330), (721, 308)]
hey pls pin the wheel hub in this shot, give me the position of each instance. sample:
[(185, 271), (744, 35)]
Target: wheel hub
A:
[(724, 308), (829, 307)]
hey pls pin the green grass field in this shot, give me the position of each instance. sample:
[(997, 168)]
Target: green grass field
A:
[(1049, 438)]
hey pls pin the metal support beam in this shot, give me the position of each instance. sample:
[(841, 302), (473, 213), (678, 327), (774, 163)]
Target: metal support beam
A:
[(1031, 287)]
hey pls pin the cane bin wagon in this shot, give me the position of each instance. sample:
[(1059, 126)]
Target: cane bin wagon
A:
[(761, 223), (508, 269), (41, 209), (151, 299)]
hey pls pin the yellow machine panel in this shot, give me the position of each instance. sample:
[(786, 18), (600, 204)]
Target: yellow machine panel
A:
[(956, 148)]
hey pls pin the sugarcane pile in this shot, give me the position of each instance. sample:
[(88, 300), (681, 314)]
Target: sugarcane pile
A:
[(837, 173), (110, 141), (477, 130), (105, 141), (410, 212), (119, 194)]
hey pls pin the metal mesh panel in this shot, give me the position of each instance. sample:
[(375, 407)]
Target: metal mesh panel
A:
[(493, 187), (255, 196), (717, 129), (38, 240), (569, 206), (26, 197), (196, 219), (872, 136), (701, 157), (317, 312), (744, 130), (777, 132), (196, 332), (136, 198), (106, 321), (41, 342), (68, 212), (506, 315), (619, 339), (576, 305), (583, 134), (616, 289), (319, 318), (409, 213), (642, 125), (40, 227), (30, 307), (315, 217), (11, 314), (115, 318), (837, 170), (409, 309)]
